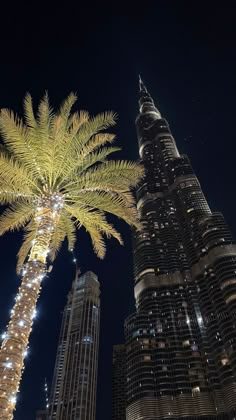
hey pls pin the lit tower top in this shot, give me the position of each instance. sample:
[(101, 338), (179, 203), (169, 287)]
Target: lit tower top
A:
[(146, 103)]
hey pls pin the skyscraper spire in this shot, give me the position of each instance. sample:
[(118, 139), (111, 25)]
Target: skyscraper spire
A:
[(146, 103), (142, 87)]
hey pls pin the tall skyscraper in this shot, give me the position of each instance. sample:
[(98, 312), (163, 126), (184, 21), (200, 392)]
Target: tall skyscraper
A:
[(73, 394), (119, 382), (181, 341)]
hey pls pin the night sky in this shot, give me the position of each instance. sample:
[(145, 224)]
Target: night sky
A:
[(187, 59)]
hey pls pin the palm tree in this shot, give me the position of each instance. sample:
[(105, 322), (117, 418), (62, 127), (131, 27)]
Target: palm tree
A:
[(56, 177)]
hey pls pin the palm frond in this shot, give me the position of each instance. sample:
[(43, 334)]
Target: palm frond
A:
[(96, 124), (70, 230), (96, 225), (83, 163), (74, 148), (66, 107), (65, 228), (45, 114), (121, 205), (16, 175), (20, 141), (116, 176), (58, 237), (29, 112), (29, 236), (16, 217), (64, 147)]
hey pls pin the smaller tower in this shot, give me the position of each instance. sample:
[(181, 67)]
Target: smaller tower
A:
[(119, 382), (43, 414), (73, 394)]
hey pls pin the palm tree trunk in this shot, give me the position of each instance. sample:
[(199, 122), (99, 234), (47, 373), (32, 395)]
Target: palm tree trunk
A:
[(16, 337), (15, 343)]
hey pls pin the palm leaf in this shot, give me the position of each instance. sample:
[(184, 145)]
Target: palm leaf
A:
[(121, 205), (64, 229), (20, 141), (116, 176), (16, 217), (29, 112), (16, 175), (29, 236), (94, 221)]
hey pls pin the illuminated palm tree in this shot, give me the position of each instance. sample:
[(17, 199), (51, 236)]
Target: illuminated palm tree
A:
[(56, 177)]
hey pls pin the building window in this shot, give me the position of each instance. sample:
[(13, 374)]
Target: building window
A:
[(224, 361), (147, 358), (232, 297)]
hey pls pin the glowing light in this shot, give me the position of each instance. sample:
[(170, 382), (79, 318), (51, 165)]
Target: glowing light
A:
[(34, 314), (12, 399), (74, 260), (8, 365), (21, 323), (4, 336)]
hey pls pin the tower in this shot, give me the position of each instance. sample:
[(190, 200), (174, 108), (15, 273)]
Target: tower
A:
[(73, 392), (181, 341), (119, 382)]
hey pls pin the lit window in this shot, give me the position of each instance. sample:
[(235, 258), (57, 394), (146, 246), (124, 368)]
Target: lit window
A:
[(224, 361), (186, 343), (196, 390), (232, 297), (228, 283), (87, 339), (146, 358)]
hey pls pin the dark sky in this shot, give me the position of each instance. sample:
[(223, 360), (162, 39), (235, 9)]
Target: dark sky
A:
[(187, 58)]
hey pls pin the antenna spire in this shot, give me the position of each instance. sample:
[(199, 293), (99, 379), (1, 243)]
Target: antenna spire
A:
[(142, 87), (146, 103)]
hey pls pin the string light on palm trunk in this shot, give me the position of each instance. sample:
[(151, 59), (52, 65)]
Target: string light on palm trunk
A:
[(15, 340)]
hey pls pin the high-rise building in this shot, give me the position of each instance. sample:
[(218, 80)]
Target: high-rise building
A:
[(73, 394), (119, 382), (181, 341)]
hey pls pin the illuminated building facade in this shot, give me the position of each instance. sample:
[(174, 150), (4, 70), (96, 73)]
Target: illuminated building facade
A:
[(181, 341), (119, 382), (73, 394)]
